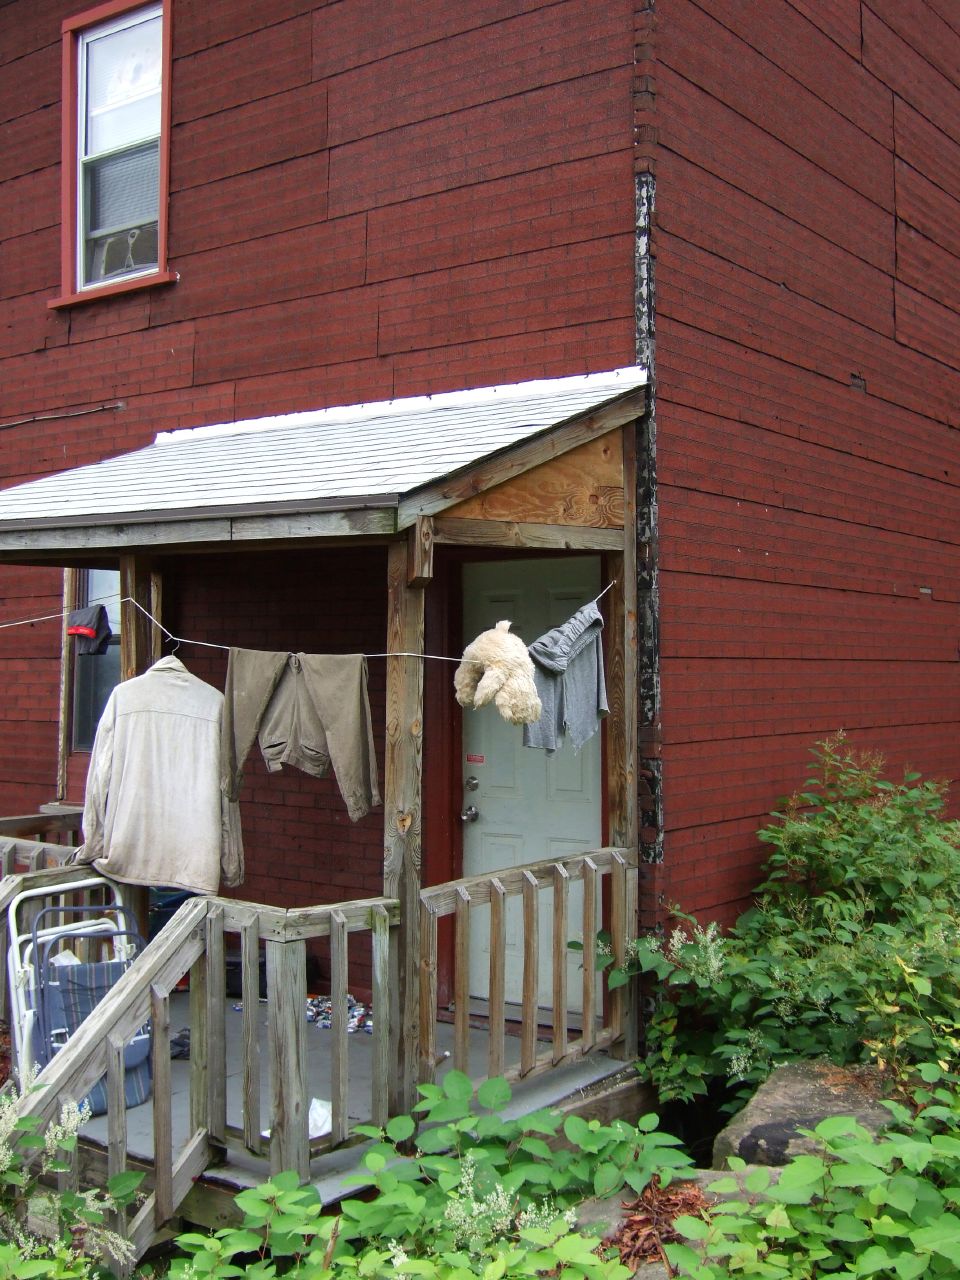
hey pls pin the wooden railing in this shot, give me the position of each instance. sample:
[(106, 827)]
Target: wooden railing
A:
[(193, 943), (25, 847), (49, 831), (28, 843), (571, 1028), (556, 1014), (285, 935)]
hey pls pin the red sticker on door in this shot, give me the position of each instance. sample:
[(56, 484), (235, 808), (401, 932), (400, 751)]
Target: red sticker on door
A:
[(475, 759)]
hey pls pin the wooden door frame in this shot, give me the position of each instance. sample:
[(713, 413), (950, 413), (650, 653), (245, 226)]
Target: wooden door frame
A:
[(443, 721)]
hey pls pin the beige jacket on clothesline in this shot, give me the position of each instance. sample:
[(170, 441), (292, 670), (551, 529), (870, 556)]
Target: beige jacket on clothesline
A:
[(154, 813)]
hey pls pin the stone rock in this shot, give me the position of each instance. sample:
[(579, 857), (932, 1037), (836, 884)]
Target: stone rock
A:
[(794, 1097)]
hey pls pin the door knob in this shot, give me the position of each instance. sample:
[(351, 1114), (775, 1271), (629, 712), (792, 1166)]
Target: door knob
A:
[(470, 814)]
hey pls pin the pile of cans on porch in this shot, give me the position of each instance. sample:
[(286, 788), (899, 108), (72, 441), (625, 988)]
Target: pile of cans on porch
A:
[(359, 1016)]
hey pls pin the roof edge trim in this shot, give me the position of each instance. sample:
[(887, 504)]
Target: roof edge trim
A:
[(633, 376)]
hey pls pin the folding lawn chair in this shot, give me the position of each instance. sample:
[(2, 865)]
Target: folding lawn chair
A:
[(60, 970)]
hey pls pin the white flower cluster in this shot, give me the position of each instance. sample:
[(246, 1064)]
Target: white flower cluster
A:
[(98, 1240), (700, 954), (742, 1062), (73, 1117), (476, 1221)]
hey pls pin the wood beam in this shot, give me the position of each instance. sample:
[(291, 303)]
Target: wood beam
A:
[(402, 809), (420, 552), (67, 666), (136, 641), (508, 533), (136, 655), (621, 725), (375, 522), (156, 608), (110, 536), (53, 542)]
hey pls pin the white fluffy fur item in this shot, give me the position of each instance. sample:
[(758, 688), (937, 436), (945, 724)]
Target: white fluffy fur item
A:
[(497, 668)]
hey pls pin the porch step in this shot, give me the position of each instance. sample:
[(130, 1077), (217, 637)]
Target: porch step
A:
[(242, 1169), (594, 1086)]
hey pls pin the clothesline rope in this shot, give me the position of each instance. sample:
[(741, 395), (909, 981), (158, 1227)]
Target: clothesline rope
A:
[(47, 617), (209, 644)]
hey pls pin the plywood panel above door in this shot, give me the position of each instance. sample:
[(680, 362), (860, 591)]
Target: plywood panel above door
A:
[(582, 487)]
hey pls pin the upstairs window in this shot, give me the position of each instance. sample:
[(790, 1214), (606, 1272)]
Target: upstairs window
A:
[(115, 148)]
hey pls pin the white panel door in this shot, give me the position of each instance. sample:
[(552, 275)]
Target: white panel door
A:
[(532, 805)]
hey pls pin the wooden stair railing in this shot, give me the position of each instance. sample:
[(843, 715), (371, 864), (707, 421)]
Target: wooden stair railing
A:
[(96, 1049), (193, 943)]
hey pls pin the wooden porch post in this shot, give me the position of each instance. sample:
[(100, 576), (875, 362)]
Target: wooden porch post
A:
[(67, 668), (137, 640), (624, 648), (402, 806), (623, 721)]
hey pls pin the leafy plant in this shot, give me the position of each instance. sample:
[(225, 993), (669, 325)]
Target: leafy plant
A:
[(852, 951), (78, 1220), (481, 1196), (885, 1206)]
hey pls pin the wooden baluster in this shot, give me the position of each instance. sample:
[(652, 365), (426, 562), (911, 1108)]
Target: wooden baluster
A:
[(216, 1026), (461, 983), (631, 1027), (162, 1119), (338, 1025), (68, 1179), (287, 998), (5, 1002), (380, 946), (498, 959), (590, 877), (618, 934), (428, 994), (561, 888), (199, 1039), (531, 973), (250, 1032), (116, 1123)]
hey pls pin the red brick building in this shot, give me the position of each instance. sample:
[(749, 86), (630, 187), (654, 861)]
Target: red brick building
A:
[(356, 201)]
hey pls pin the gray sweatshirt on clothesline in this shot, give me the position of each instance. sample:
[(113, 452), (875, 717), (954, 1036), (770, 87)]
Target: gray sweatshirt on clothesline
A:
[(568, 670)]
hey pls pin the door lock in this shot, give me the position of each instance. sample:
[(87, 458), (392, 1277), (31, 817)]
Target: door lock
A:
[(470, 814), (471, 783)]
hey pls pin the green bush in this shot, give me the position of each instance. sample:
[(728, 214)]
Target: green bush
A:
[(886, 1206), (481, 1197), (851, 951), (30, 1156)]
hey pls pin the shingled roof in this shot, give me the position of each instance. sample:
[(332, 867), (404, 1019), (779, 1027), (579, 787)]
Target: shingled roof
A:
[(364, 456)]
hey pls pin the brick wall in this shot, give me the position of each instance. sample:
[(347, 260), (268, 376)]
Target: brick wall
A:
[(362, 206), (365, 206), (30, 687), (301, 849), (808, 275)]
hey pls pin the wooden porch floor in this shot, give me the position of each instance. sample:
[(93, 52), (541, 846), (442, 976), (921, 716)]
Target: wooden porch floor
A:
[(328, 1170)]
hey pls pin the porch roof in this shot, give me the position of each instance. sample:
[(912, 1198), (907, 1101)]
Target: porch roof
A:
[(358, 469)]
